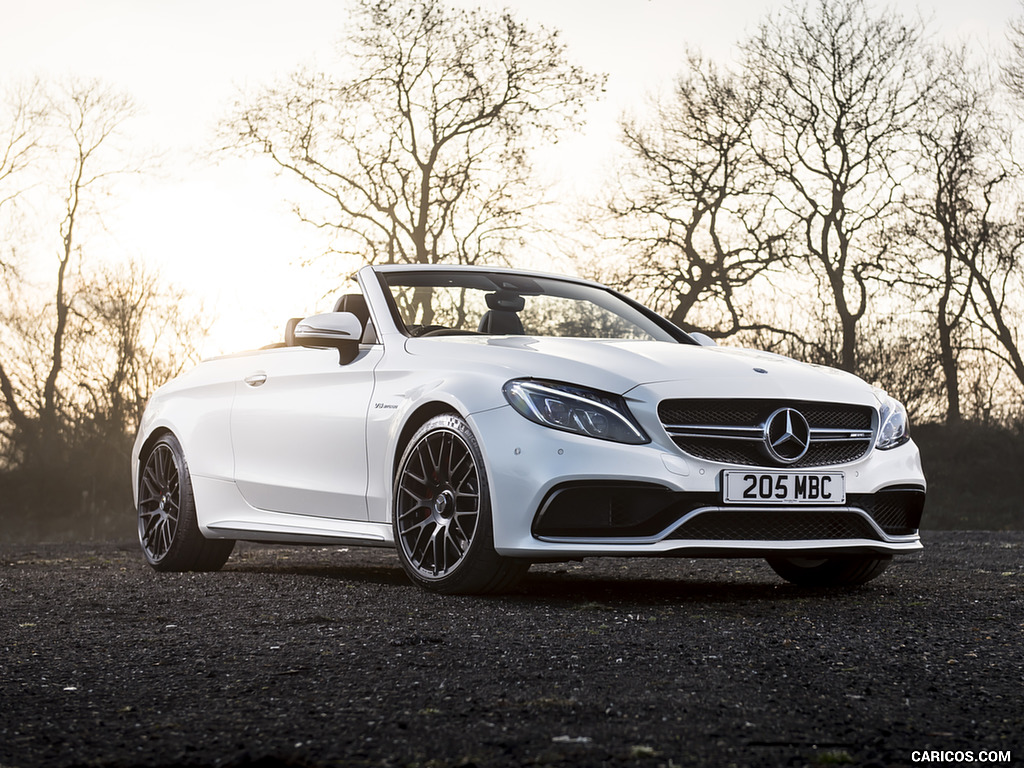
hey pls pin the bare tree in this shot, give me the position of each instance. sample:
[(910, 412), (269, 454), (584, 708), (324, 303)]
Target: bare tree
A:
[(896, 353), (843, 89), (20, 119), (85, 345), (998, 294), (968, 220), (138, 335), (420, 154), (79, 125), (86, 117), (1013, 64), (690, 211), (964, 172)]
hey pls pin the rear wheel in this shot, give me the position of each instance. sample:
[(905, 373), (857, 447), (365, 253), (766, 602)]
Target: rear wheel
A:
[(442, 513), (830, 571), (168, 531)]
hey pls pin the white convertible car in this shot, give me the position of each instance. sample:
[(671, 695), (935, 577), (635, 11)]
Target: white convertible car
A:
[(479, 419)]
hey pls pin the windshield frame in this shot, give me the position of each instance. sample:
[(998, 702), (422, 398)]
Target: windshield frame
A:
[(528, 283)]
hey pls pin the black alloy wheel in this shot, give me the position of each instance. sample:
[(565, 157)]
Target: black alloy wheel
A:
[(442, 513), (168, 531)]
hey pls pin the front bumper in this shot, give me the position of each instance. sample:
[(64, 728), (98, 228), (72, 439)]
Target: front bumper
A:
[(558, 495)]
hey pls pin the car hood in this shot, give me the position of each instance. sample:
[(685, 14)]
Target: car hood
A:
[(679, 370)]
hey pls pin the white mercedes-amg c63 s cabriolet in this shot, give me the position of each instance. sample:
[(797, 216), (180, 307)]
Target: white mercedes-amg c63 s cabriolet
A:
[(479, 419)]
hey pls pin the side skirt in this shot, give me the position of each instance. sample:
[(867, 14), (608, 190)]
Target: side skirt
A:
[(224, 514)]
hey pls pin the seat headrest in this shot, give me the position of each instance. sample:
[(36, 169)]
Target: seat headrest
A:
[(354, 303), (501, 322)]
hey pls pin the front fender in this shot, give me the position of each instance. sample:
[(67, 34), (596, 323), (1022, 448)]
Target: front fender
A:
[(197, 409), (400, 405)]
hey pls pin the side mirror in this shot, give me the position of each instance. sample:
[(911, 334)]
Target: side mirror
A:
[(338, 330), (703, 339)]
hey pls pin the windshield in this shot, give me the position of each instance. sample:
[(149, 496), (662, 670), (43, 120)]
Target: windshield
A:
[(445, 303)]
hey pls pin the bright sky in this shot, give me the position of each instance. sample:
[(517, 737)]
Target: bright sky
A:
[(223, 228)]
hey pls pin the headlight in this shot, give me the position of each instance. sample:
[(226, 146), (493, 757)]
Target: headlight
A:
[(574, 409), (894, 426)]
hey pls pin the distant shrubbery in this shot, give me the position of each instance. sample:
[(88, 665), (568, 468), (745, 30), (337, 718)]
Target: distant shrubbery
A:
[(975, 475), (87, 496)]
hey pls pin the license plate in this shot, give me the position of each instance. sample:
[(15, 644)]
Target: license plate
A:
[(784, 487)]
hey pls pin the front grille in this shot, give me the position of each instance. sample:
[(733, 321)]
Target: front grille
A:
[(752, 453), (732, 431), (781, 525)]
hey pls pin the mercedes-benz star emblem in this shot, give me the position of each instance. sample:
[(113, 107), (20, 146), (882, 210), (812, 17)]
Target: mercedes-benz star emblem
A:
[(787, 435)]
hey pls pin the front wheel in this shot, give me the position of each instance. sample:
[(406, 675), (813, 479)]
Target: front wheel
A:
[(442, 513), (830, 571), (168, 531)]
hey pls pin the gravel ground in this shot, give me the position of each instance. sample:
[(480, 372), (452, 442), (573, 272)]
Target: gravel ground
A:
[(329, 657)]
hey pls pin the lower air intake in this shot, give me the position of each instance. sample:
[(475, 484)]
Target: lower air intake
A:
[(783, 525)]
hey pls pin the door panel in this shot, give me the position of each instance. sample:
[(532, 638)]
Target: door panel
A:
[(298, 429)]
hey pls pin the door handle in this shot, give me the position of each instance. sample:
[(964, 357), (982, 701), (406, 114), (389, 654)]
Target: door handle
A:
[(256, 379)]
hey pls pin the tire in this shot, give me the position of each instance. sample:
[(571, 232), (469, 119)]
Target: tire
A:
[(168, 531), (831, 571), (441, 513)]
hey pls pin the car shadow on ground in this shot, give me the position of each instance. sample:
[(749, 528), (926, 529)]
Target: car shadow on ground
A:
[(654, 591), (365, 574), (605, 582)]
